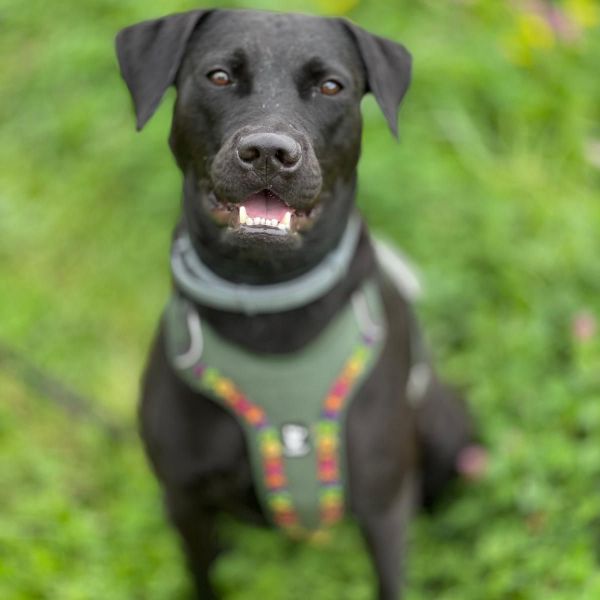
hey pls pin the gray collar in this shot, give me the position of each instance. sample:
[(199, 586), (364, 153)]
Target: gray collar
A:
[(207, 288)]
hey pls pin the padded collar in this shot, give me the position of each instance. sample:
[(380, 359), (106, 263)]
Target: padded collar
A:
[(208, 289)]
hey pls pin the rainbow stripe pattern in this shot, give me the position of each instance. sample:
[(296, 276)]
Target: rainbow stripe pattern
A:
[(328, 434)]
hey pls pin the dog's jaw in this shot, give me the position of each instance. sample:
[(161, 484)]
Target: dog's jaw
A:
[(263, 254)]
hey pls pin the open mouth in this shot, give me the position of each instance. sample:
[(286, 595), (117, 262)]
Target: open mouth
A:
[(263, 212), (265, 209)]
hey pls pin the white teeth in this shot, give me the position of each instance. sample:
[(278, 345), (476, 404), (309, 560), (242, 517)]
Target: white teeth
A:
[(284, 225)]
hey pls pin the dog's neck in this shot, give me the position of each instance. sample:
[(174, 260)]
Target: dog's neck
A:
[(290, 330)]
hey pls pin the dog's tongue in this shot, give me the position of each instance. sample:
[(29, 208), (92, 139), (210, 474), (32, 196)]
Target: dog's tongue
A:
[(265, 205)]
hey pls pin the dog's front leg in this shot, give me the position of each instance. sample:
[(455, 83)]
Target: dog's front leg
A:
[(197, 529), (385, 534)]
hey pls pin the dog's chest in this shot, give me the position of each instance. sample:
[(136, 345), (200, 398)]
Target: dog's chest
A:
[(291, 407)]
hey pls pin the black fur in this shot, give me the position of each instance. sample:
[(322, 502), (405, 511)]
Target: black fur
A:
[(396, 454)]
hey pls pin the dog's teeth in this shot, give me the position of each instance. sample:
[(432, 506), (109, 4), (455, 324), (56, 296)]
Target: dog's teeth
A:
[(254, 221), (287, 219)]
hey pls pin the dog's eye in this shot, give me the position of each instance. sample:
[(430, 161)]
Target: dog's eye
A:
[(331, 87), (219, 77)]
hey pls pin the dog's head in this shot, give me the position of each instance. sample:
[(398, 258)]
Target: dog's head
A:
[(266, 126)]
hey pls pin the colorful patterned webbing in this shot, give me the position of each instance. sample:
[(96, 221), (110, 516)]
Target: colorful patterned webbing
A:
[(328, 430), (312, 388)]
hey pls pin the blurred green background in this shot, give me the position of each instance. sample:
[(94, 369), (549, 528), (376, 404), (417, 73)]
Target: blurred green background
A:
[(494, 192)]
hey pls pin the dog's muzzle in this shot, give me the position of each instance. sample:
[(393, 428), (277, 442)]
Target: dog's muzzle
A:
[(265, 181)]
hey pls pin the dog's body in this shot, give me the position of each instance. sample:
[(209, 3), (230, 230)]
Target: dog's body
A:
[(267, 116)]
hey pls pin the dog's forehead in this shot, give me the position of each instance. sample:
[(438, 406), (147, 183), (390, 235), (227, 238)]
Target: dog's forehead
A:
[(265, 35)]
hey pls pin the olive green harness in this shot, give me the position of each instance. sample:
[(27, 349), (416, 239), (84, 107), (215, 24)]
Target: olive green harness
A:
[(291, 407)]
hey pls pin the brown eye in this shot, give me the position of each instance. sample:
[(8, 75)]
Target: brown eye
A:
[(219, 77), (331, 87)]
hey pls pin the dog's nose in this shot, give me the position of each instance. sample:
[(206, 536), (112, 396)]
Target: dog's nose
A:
[(272, 151)]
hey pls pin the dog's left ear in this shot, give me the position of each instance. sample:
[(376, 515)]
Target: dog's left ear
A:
[(150, 54), (388, 69)]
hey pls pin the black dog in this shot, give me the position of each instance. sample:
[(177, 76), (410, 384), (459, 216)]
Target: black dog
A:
[(266, 131)]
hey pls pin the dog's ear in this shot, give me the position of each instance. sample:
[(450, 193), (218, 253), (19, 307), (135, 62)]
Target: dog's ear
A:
[(150, 54), (388, 69)]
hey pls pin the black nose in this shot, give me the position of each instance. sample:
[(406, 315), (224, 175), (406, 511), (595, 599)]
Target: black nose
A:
[(269, 151)]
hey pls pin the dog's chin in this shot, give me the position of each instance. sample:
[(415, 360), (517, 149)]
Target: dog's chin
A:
[(261, 219)]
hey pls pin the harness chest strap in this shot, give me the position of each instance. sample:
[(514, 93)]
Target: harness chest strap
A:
[(291, 408)]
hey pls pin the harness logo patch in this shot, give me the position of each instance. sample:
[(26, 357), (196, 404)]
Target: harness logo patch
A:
[(296, 440)]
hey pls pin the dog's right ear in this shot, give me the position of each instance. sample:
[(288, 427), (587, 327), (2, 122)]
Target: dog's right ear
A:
[(150, 54)]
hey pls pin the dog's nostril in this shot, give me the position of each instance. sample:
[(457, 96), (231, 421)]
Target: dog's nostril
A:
[(248, 153), (288, 156), (280, 151)]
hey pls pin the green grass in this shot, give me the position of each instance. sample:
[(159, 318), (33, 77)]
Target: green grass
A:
[(489, 191)]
